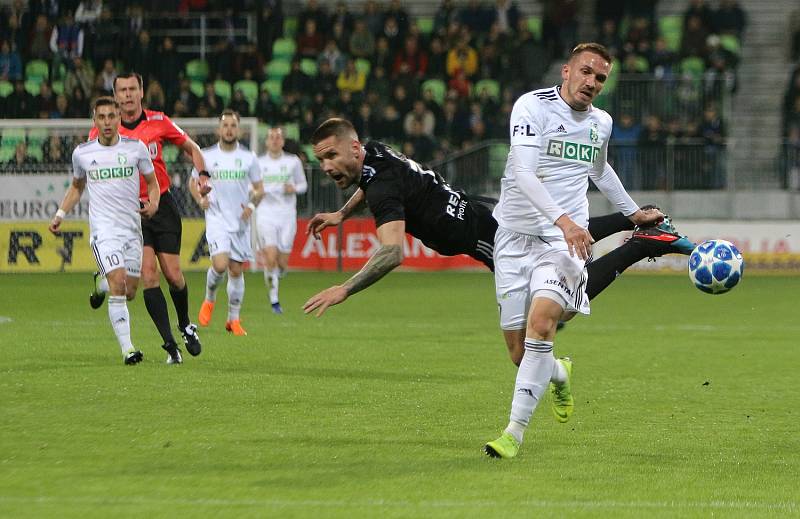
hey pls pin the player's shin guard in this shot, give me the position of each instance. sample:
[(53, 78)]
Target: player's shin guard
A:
[(156, 306), (533, 377), (235, 296), (213, 279), (120, 322)]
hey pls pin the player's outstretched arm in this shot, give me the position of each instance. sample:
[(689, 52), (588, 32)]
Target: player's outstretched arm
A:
[(385, 259), (322, 220), (71, 198)]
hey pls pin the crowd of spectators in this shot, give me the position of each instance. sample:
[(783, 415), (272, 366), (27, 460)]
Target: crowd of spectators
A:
[(465, 43)]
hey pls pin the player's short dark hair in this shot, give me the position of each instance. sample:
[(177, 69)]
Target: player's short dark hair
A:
[(105, 101), (229, 112), (333, 126), (598, 49), (128, 75)]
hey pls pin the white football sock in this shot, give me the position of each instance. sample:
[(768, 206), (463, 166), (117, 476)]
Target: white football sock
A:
[(273, 289), (235, 296), (102, 285), (559, 375), (120, 322), (213, 279), (533, 378)]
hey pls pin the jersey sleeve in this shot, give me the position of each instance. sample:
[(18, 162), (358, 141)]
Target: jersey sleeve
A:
[(77, 169), (385, 202), (254, 171), (172, 132), (300, 182), (526, 125), (144, 162)]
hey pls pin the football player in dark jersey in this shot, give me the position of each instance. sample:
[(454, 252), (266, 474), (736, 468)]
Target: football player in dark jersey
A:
[(405, 197)]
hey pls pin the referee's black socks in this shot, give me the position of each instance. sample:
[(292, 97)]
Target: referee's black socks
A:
[(180, 298), (603, 271), (156, 306)]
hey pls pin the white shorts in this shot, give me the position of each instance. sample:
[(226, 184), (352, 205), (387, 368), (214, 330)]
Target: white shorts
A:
[(235, 244), (276, 231), (525, 265), (121, 251)]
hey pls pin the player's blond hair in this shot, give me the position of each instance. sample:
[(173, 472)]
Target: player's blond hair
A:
[(598, 49)]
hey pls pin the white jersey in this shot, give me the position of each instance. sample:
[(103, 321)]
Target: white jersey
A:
[(112, 178), (572, 147), (286, 169), (232, 174)]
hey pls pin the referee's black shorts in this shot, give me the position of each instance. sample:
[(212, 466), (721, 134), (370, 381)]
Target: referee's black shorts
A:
[(163, 231)]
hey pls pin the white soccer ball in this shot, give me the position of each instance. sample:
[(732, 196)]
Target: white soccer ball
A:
[(715, 266)]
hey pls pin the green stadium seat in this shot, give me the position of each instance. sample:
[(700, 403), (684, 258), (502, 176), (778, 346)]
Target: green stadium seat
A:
[(250, 90), (671, 29), (278, 68), (693, 66), (363, 65), (309, 67), (35, 151), (223, 89), (6, 153), (437, 88), (6, 88), (283, 48), (37, 136), (291, 131), (170, 153), (274, 87), (490, 85), (309, 151), (289, 27), (730, 43), (535, 26), (197, 87), (425, 24), (33, 86), (58, 87), (37, 70), (10, 137), (197, 70)]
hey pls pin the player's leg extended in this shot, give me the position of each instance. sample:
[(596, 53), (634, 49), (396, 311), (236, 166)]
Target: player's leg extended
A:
[(214, 276), (119, 316), (272, 274), (235, 297), (603, 226), (533, 376)]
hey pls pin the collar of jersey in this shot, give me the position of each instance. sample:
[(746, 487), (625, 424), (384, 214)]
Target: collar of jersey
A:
[(583, 112), (133, 124)]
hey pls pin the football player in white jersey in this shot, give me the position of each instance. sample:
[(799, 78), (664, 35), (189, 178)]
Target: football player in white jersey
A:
[(228, 207), (558, 141), (276, 215), (110, 166)]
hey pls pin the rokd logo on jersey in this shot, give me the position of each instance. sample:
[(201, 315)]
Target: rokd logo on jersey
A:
[(110, 173), (572, 151)]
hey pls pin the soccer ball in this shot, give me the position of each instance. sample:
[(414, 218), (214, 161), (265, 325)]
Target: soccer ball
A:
[(715, 266)]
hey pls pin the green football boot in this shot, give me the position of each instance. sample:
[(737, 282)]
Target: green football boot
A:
[(561, 394), (506, 446)]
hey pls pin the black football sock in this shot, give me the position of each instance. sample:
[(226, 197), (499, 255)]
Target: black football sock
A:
[(606, 225), (603, 271), (156, 306), (180, 298)]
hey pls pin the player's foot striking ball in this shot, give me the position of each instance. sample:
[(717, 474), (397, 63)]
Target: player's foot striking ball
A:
[(662, 238)]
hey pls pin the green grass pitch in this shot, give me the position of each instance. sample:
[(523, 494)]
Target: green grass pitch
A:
[(686, 406)]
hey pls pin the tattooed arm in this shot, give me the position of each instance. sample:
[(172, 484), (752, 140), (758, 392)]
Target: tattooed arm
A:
[(388, 256)]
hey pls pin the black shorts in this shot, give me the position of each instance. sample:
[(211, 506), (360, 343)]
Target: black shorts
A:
[(162, 232)]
